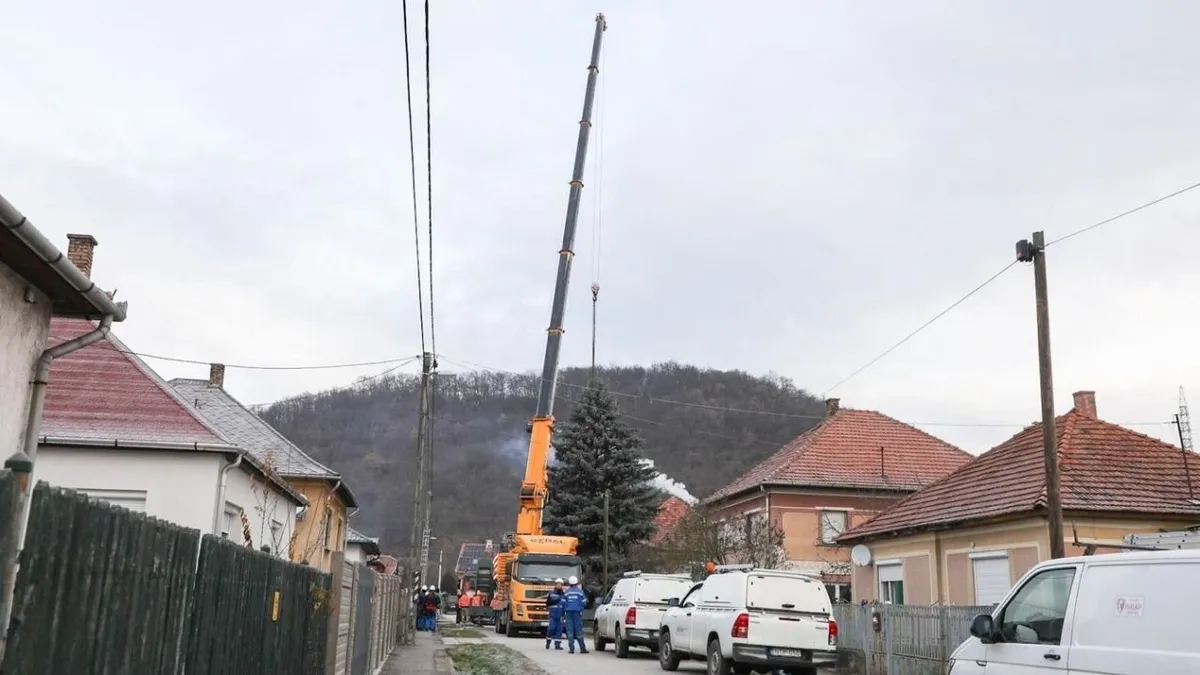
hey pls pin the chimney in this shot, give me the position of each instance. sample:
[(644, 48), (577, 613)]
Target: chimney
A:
[(216, 375), (79, 252), (831, 406), (1085, 403)]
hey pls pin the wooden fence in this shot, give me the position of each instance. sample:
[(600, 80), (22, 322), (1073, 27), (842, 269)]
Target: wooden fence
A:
[(108, 591), (371, 618), (912, 640)]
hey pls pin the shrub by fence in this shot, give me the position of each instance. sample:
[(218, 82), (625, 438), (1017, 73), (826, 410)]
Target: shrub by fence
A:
[(108, 591), (913, 640)]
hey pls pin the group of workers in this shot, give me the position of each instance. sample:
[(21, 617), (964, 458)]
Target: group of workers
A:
[(566, 612), (426, 605)]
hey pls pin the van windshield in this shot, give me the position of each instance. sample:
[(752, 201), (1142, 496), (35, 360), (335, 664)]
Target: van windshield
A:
[(659, 591), (786, 594)]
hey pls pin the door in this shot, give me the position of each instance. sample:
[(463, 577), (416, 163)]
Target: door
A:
[(1033, 629), (682, 618), (600, 617)]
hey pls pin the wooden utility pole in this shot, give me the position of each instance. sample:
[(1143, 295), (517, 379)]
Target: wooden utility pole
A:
[(419, 539), (606, 541), (1035, 252)]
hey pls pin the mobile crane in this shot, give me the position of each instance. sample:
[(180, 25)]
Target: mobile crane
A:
[(530, 560)]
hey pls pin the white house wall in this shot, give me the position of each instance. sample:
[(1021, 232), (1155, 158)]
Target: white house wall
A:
[(180, 487), (354, 553), (263, 504), (23, 330)]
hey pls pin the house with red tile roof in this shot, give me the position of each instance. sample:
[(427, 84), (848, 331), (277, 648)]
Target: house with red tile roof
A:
[(841, 473), (37, 282), (670, 512), (965, 539), (113, 429)]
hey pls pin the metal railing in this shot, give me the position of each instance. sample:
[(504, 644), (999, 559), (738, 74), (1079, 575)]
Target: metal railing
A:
[(911, 640)]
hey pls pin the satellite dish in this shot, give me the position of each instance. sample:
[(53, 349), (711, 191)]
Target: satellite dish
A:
[(860, 555)]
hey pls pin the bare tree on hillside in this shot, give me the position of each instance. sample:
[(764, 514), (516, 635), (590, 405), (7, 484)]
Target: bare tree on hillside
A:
[(703, 536)]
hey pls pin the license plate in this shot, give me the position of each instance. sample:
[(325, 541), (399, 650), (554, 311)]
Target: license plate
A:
[(796, 653)]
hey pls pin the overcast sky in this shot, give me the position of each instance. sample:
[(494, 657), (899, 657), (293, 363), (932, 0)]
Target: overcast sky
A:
[(787, 187)]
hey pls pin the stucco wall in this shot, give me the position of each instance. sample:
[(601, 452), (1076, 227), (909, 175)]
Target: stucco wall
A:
[(23, 330), (180, 487), (355, 553), (942, 560), (309, 541), (270, 513)]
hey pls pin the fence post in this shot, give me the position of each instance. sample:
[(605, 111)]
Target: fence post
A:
[(335, 612)]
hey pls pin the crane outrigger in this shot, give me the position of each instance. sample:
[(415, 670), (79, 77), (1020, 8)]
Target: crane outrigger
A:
[(525, 570)]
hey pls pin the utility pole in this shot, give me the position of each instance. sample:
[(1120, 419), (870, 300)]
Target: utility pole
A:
[(1035, 252), (419, 539), (441, 552), (606, 541)]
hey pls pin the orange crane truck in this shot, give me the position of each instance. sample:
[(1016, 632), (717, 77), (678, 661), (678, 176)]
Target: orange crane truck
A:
[(530, 560)]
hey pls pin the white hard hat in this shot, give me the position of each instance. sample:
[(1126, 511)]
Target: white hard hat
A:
[(424, 588), (573, 580), (558, 580)]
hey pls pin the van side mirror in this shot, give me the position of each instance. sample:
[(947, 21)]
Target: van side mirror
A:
[(984, 628), (673, 602)]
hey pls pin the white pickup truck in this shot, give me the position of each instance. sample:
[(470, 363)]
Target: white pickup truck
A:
[(743, 620), (630, 614)]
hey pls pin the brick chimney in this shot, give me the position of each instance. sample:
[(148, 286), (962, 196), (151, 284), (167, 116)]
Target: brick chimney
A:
[(216, 375), (79, 252), (832, 406), (1085, 403)]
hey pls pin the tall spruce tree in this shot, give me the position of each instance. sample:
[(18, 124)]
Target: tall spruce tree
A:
[(594, 452)]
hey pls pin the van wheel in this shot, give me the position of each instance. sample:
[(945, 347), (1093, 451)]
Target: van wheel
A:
[(667, 658), (717, 664), (598, 643), (621, 647)]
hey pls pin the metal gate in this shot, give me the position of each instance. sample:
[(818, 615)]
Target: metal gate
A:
[(363, 594)]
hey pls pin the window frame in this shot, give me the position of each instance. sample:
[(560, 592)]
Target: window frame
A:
[(1014, 595), (821, 513), (233, 514)]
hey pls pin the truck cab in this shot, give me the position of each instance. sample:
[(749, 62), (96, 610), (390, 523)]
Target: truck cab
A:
[(528, 577)]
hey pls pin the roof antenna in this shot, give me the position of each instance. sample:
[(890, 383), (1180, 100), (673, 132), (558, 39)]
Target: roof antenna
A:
[(1183, 423)]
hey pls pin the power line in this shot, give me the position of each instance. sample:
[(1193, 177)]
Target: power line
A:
[(923, 326), (1119, 216), (412, 159), (240, 366)]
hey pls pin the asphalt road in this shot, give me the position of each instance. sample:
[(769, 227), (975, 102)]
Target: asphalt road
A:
[(592, 663)]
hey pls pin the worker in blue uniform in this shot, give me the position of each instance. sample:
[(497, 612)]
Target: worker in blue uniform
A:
[(574, 602), (555, 607)]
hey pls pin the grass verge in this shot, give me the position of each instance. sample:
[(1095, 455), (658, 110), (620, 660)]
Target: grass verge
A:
[(492, 659), (463, 632)]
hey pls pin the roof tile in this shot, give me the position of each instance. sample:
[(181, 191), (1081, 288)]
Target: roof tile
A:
[(104, 394), (861, 449), (1103, 467)]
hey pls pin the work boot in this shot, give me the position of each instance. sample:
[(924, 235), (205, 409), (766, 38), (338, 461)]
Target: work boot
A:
[(547, 643), (558, 645)]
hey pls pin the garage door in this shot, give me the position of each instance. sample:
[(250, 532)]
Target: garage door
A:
[(991, 579)]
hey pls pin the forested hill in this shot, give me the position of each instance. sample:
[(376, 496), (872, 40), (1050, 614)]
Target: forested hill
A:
[(368, 433)]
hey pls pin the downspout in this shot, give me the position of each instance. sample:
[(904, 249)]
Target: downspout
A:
[(22, 463), (219, 507)]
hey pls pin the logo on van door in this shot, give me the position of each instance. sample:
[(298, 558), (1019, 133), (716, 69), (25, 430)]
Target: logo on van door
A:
[(1130, 605)]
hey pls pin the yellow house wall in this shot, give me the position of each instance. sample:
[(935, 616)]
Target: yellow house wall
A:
[(949, 579), (308, 543)]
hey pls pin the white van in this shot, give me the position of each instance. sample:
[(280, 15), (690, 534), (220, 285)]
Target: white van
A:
[(745, 619), (1114, 614), (629, 614)]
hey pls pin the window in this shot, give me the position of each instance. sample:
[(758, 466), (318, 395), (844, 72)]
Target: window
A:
[(276, 536), (327, 528), (839, 594), (689, 600), (992, 577), (134, 500), (341, 541), (232, 523), (891, 584), (1036, 613), (833, 524)]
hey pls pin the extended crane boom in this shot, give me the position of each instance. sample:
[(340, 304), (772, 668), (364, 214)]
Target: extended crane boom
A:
[(529, 561), (541, 428)]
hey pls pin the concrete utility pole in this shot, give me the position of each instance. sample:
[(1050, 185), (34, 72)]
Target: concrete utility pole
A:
[(1035, 252), (606, 541), (441, 553), (422, 492)]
